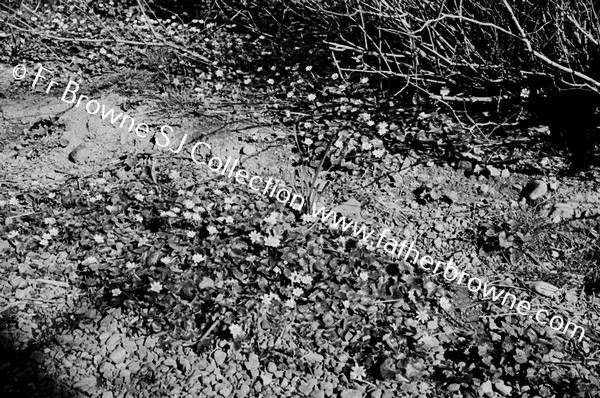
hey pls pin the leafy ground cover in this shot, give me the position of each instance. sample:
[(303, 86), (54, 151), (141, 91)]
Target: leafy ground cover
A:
[(139, 273)]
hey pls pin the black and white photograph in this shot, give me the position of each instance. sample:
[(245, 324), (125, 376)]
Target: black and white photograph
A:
[(299, 198)]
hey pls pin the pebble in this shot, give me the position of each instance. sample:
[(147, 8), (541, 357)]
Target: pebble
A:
[(351, 394), (252, 362), (219, 357), (534, 190), (317, 394), (502, 388), (118, 355), (63, 142), (248, 150), (80, 154)]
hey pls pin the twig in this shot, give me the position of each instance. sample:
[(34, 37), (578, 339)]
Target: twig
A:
[(190, 53)]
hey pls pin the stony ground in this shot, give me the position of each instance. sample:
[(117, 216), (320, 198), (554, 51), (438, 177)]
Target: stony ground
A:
[(129, 271)]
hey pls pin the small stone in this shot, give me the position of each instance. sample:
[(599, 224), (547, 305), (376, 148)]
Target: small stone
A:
[(248, 150), (122, 175), (376, 394), (543, 288), (252, 362), (118, 355), (267, 378), (351, 394), (271, 367), (63, 142), (502, 388), (219, 357), (534, 190), (317, 394), (243, 390), (305, 388), (80, 154)]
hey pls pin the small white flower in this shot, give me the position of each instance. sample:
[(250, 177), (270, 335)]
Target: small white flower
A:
[(139, 197), (358, 372), (99, 238), (290, 303), (167, 260), (219, 73), (364, 276), (44, 242), (364, 80), (378, 153), (189, 204), (335, 76), (191, 234), (236, 330), (49, 220), (444, 91), (47, 236), (308, 68), (130, 265), (116, 292), (255, 237), (525, 93), (271, 81), (306, 279), (212, 230), (272, 219), (13, 201), (138, 218), (247, 81), (308, 218), (311, 97), (266, 299), (290, 94), (12, 234), (156, 287), (218, 86), (229, 220), (297, 292), (197, 258)]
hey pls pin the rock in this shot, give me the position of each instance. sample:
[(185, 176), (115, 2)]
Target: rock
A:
[(534, 190), (464, 165), (248, 150), (63, 142), (317, 394), (502, 388), (562, 211), (351, 394), (80, 154), (543, 288), (271, 367), (305, 389), (122, 175), (118, 355), (252, 362), (219, 357)]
